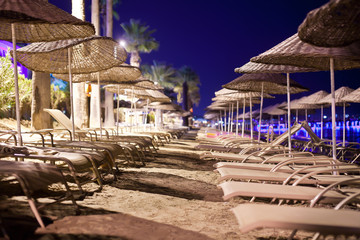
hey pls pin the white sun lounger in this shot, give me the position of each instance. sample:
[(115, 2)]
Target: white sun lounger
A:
[(262, 190), (325, 221)]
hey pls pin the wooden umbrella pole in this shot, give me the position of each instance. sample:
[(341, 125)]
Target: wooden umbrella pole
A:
[(243, 121), (225, 122), (333, 113), (229, 119), (71, 96), (232, 117), (251, 120), (17, 99), (279, 124), (322, 122), (117, 110), (220, 122), (344, 124), (261, 107), (237, 117), (289, 109), (99, 100)]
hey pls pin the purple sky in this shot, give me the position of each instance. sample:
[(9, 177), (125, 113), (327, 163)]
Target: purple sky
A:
[(215, 36)]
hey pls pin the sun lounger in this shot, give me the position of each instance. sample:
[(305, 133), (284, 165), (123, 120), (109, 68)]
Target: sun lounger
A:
[(33, 177), (277, 191), (325, 221), (316, 177), (132, 143), (74, 160)]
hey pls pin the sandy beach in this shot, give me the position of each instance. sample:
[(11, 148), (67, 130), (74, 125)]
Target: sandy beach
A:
[(175, 196)]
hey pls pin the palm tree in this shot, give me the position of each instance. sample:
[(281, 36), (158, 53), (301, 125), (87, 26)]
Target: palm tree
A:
[(138, 38), (190, 77), (102, 8), (162, 74)]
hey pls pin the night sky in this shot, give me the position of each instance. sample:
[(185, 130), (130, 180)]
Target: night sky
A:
[(215, 36)]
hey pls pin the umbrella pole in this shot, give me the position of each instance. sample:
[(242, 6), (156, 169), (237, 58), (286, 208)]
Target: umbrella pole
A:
[(322, 122), (289, 109), (117, 110), (17, 100), (251, 121), (220, 127), (99, 99), (225, 122), (232, 117), (229, 120), (261, 107), (306, 115), (243, 121), (333, 113), (237, 117), (279, 124), (344, 125), (71, 96), (297, 115)]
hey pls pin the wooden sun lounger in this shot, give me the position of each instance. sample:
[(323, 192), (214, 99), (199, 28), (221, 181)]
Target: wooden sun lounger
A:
[(33, 177), (133, 143), (262, 190), (316, 177), (325, 221), (74, 160)]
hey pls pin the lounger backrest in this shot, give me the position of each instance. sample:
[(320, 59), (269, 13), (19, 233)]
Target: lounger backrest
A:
[(280, 139), (61, 118), (311, 133)]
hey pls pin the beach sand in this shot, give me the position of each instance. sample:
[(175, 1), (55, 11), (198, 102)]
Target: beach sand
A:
[(175, 196)]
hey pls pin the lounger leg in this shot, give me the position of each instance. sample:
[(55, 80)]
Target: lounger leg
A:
[(36, 213), (291, 236)]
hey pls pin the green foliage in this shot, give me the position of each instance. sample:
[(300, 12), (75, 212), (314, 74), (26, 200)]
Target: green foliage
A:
[(7, 90), (188, 75), (138, 37), (163, 74), (59, 98)]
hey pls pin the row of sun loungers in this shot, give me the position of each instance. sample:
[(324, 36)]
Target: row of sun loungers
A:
[(39, 164), (314, 187)]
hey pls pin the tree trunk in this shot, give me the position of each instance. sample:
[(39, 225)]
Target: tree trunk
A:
[(95, 115), (81, 112), (40, 100), (185, 103), (109, 102), (135, 59)]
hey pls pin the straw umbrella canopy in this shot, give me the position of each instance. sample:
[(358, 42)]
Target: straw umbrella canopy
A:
[(295, 52), (232, 95), (117, 74), (335, 24), (33, 21), (139, 84), (354, 96), (339, 95), (122, 73), (73, 56), (313, 101), (272, 83)]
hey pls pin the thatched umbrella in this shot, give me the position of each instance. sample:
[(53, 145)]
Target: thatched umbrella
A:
[(272, 83), (34, 21), (122, 73), (354, 96), (335, 24), (227, 95), (73, 56), (293, 51), (313, 100), (139, 84), (339, 95), (276, 111)]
